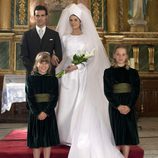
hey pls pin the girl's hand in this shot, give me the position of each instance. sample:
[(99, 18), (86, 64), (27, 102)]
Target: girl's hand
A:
[(42, 116), (124, 109), (71, 68)]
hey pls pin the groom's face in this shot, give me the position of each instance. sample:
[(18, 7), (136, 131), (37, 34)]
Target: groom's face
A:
[(40, 18)]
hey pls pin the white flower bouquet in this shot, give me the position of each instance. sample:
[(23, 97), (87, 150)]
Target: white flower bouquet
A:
[(78, 58)]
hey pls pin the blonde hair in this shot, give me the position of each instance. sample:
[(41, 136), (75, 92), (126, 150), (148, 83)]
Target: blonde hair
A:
[(42, 57), (114, 62)]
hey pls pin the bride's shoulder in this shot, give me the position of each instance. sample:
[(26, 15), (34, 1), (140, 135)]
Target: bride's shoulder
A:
[(65, 37)]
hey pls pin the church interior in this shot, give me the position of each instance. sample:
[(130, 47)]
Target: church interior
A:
[(130, 22)]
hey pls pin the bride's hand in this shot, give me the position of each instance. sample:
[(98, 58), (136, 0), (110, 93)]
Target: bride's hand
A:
[(71, 68)]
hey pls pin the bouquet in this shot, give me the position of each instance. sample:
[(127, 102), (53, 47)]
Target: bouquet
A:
[(78, 58)]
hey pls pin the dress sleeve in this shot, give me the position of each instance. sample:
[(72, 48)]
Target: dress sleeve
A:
[(135, 83), (89, 61), (33, 107), (108, 90), (81, 66), (53, 97)]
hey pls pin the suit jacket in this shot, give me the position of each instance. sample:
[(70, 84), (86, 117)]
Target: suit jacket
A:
[(31, 45)]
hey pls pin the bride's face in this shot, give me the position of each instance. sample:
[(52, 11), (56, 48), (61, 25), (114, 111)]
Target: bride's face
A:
[(75, 22)]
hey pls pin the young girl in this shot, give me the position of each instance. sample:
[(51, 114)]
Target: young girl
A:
[(42, 95), (121, 87)]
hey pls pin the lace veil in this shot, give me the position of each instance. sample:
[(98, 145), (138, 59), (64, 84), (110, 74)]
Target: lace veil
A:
[(94, 96), (88, 29)]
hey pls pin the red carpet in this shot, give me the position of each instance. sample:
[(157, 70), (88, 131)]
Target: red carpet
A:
[(18, 149), (16, 135), (136, 152), (14, 146)]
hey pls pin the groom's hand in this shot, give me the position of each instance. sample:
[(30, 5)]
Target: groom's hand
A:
[(55, 60)]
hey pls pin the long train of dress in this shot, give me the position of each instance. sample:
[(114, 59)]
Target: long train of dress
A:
[(82, 113)]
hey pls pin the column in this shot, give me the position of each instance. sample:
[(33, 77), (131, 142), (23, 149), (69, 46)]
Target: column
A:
[(112, 15), (85, 2), (136, 56), (152, 15), (21, 15), (151, 58), (5, 13)]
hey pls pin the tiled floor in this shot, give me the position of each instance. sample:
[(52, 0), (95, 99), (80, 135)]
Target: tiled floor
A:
[(5, 128), (148, 133)]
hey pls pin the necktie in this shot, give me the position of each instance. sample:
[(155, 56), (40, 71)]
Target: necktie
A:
[(40, 33)]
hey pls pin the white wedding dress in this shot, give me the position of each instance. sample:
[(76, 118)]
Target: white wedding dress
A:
[(82, 112)]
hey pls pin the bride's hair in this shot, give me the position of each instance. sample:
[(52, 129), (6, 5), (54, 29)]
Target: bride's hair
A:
[(76, 16)]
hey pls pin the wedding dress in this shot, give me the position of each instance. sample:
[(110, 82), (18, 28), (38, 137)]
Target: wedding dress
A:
[(72, 88), (82, 113)]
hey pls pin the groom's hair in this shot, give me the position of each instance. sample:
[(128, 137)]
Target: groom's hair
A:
[(41, 7)]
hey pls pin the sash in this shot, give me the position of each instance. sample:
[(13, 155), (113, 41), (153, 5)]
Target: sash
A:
[(122, 88), (42, 97)]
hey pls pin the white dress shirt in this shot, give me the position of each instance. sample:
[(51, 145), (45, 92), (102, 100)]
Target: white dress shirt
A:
[(40, 31)]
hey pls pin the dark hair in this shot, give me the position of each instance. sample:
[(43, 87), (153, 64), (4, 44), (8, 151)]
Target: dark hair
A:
[(76, 16), (41, 7)]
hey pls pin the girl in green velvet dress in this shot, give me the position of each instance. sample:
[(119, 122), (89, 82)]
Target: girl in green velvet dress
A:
[(42, 96), (121, 87)]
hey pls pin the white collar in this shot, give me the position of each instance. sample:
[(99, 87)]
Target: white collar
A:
[(43, 28)]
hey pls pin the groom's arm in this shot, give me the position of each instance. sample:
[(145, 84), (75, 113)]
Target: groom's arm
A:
[(58, 48)]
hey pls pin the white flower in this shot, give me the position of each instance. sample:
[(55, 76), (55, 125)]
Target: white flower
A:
[(78, 58), (89, 54)]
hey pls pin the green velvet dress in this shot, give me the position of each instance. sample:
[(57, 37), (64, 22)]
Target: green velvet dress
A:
[(124, 126), (42, 95)]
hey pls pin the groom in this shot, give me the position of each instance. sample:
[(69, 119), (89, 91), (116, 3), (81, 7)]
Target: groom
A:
[(39, 39)]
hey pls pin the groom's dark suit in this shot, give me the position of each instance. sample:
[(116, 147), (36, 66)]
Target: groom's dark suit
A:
[(32, 44)]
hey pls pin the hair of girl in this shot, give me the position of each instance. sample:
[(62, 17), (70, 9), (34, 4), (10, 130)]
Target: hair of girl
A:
[(114, 63), (42, 57)]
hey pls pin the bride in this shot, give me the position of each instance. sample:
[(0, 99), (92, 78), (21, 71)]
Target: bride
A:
[(82, 113)]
